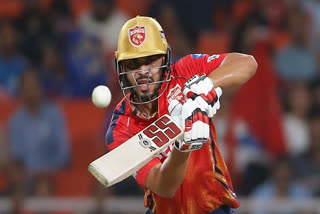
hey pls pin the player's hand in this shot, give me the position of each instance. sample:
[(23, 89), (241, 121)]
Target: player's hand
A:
[(196, 122), (201, 90), (196, 131)]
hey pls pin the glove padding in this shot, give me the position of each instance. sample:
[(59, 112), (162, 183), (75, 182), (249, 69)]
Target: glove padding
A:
[(201, 90), (195, 122)]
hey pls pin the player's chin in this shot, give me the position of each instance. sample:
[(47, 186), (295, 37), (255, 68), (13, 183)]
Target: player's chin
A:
[(146, 91), (146, 96)]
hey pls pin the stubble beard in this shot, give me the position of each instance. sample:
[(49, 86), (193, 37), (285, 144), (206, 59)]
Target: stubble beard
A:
[(144, 98)]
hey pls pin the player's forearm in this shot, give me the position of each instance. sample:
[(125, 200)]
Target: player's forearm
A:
[(165, 179), (235, 70)]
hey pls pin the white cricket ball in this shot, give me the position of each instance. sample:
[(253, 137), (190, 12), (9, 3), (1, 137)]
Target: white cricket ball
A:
[(101, 96)]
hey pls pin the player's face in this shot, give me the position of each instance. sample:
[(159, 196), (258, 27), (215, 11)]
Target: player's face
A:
[(144, 73)]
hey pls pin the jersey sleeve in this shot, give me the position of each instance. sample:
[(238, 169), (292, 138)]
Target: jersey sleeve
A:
[(118, 129), (200, 64), (116, 134), (141, 174)]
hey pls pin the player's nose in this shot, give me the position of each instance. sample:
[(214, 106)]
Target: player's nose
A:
[(144, 69)]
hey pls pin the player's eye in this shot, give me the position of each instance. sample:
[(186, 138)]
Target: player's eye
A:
[(152, 59), (131, 64), (135, 64)]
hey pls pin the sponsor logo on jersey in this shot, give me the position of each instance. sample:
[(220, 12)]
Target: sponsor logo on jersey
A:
[(214, 56), (175, 93), (198, 55), (137, 35)]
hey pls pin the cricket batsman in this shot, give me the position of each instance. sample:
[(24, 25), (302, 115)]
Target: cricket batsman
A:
[(190, 176)]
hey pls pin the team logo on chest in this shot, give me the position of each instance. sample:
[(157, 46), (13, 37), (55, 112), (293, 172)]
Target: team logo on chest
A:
[(175, 93), (137, 35)]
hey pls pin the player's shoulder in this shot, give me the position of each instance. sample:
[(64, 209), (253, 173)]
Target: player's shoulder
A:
[(198, 57), (183, 59), (189, 57), (122, 107), (184, 62), (195, 59), (117, 125), (193, 62), (117, 131)]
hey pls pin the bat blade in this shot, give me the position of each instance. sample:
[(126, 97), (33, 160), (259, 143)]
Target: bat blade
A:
[(133, 154)]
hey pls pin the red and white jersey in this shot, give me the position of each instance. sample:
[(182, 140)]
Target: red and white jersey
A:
[(207, 183)]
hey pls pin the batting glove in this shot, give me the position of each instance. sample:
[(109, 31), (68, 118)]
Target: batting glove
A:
[(201, 90), (195, 123), (175, 111)]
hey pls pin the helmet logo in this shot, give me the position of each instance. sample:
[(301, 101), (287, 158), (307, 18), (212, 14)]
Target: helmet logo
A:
[(137, 35)]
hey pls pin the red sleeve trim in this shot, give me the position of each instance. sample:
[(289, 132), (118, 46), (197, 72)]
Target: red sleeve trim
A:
[(144, 171)]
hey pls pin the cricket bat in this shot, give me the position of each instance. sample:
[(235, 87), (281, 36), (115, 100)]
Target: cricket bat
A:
[(133, 154)]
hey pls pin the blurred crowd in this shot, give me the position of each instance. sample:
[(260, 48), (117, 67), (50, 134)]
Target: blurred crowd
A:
[(268, 130)]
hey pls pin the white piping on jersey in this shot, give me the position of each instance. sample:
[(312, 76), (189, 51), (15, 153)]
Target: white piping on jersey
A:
[(128, 132)]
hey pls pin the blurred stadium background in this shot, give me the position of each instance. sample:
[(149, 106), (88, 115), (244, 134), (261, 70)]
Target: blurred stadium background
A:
[(54, 52)]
